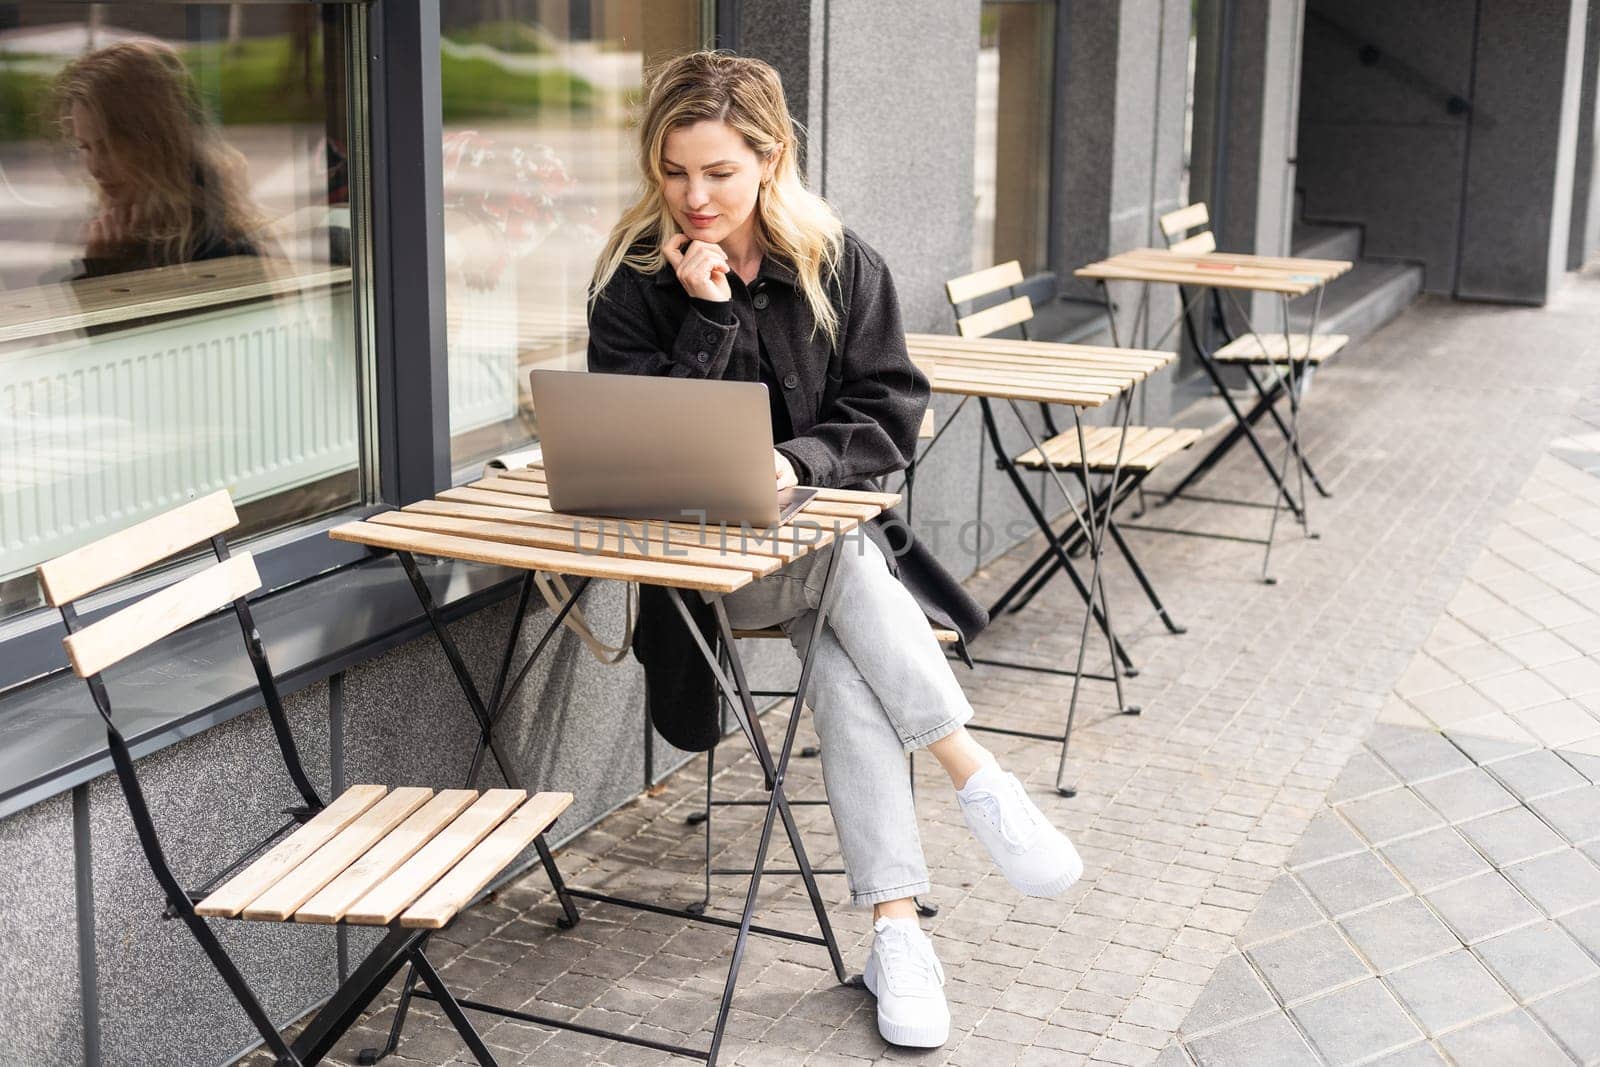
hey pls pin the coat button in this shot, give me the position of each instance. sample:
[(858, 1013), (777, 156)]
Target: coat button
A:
[(760, 300), (790, 381), (703, 357)]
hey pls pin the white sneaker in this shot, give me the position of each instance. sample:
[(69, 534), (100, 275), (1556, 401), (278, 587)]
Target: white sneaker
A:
[(905, 976), (1036, 858)]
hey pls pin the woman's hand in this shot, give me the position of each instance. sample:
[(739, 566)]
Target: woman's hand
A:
[(785, 471), (702, 268)]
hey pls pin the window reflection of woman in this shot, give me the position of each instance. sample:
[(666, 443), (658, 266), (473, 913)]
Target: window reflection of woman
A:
[(170, 189)]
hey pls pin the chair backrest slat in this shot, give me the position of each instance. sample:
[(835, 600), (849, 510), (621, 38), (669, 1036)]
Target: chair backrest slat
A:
[(1185, 219), (98, 564), (983, 323), (983, 282), (1198, 245), (118, 636)]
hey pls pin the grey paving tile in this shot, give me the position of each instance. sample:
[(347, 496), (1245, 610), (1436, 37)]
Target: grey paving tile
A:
[(1452, 705), (1307, 963), (1564, 722), (1485, 746), (1270, 1040), (1518, 690), (1234, 993), (1509, 837), (1584, 763), (1446, 992), (1282, 909), (1573, 677), (1399, 933), (1421, 1054), (1465, 795), (1536, 773), (1560, 882), (1349, 884), (1585, 926), (1424, 675), (1483, 661), (1325, 838), (1388, 815), (1538, 649), (1575, 814), (1573, 1016), (1423, 756), (1482, 907), (1534, 960), (1355, 1023), (1432, 859), (1362, 775), (1512, 1038)]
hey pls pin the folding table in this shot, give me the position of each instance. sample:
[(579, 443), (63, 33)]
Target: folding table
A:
[(1287, 355), (1078, 377), (507, 521)]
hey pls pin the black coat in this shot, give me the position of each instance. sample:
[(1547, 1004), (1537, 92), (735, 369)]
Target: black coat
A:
[(855, 409)]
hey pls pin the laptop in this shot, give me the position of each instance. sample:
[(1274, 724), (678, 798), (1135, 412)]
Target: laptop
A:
[(644, 447)]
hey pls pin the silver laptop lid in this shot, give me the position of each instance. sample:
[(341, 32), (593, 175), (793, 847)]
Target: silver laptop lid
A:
[(641, 447)]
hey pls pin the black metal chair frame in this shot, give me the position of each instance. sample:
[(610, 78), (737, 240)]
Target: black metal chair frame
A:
[(1289, 377), (399, 946), (1083, 530)]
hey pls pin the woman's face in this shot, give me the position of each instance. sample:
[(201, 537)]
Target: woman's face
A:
[(712, 179), (104, 167)]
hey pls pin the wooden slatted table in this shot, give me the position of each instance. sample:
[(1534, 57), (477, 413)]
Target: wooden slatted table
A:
[(1286, 356), (506, 520)]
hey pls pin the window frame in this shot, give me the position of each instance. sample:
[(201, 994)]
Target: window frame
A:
[(394, 98)]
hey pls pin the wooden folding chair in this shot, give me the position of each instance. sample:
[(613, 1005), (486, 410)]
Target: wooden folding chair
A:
[(1141, 448), (407, 859), (1188, 232)]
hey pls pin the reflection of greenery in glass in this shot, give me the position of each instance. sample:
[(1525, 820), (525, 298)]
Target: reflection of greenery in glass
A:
[(476, 87), (24, 97), (260, 81), (505, 35)]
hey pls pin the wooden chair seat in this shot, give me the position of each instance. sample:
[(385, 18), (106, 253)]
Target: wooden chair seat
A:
[(376, 855), (940, 634), (1147, 448), (1265, 349)]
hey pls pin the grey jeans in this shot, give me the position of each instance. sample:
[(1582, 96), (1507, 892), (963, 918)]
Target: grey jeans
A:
[(880, 688)]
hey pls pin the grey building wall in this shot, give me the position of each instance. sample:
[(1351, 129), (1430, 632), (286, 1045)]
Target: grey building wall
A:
[(1379, 148), (1517, 197), (1482, 198), (1583, 237)]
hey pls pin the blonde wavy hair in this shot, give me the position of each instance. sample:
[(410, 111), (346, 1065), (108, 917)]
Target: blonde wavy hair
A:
[(791, 221), (187, 183)]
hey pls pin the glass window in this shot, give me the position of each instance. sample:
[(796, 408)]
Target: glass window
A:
[(540, 158), (1016, 87), (176, 313)]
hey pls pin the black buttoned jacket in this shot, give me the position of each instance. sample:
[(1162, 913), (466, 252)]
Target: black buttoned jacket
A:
[(854, 407)]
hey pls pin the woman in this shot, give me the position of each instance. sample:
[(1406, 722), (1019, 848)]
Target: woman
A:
[(170, 189), (727, 267)]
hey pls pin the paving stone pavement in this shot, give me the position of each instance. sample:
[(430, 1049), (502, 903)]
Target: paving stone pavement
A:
[(1444, 905), (1188, 815)]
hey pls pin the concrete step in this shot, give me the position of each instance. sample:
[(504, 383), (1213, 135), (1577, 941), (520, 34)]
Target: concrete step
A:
[(1315, 240), (1363, 300)]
